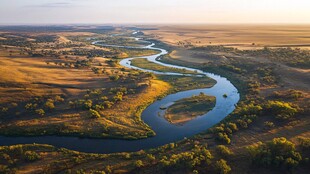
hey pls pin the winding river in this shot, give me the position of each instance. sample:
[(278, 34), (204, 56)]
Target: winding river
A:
[(152, 115)]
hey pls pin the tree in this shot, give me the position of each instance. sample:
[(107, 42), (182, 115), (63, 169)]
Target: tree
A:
[(281, 110), (59, 98), (94, 113), (31, 156), (114, 77), (40, 112), (139, 163), (88, 104), (222, 167), (223, 150), (278, 153), (223, 137), (49, 104)]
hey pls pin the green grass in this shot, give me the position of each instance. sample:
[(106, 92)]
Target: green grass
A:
[(187, 109), (183, 83), (145, 64)]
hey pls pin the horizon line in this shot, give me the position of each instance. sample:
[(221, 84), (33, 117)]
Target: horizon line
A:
[(154, 23)]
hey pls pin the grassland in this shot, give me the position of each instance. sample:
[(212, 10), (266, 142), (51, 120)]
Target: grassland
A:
[(28, 82), (245, 37), (145, 64), (270, 89), (187, 109), (182, 83)]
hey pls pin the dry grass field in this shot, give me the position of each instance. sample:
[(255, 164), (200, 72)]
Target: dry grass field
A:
[(239, 36)]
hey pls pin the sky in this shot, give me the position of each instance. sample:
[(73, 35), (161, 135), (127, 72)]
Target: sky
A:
[(153, 11)]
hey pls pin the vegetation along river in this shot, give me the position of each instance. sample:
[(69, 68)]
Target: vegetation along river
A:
[(165, 131)]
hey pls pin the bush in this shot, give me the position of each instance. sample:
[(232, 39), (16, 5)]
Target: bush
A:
[(187, 160), (31, 156), (304, 143), (223, 137), (223, 150), (268, 124), (49, 104), (222, 167), (40, 112), (88, 104), (281, 110), (118, 97), (30, 106), (138, 164), (99, 107), (94, 113), (233, 127), (114, 77), (59, 99), (278, 153), (108, 104), (151, 157)]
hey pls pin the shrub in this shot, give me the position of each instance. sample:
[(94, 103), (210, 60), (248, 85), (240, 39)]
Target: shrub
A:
[(304, 143), (243, 124), (99, 107), (233, 127), (118, 97), (223, 137), (30, 106), (278, 153), (268, 124), (59, 98), (88, 104), (248, 109), (108, 104), (223, 150), (40, 112), (151, 157), (222, 167), (4, 109), (104, 98), (31, 156), (114, 77), (49, 104), (281, 110), (187, 160), (14, 105), (138, 164), (94, 113)]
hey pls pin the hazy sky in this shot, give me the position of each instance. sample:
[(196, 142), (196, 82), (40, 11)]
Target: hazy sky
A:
[(153, 11)]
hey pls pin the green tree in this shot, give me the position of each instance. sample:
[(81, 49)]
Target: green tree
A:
[(40, 112), (88, 104), (49, 104), (139, 163), (94, 113), (223, 150), (222, 167), (278, 153), (281, 110)]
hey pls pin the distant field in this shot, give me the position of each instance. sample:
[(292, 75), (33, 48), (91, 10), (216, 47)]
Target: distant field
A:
[(241, 36)]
